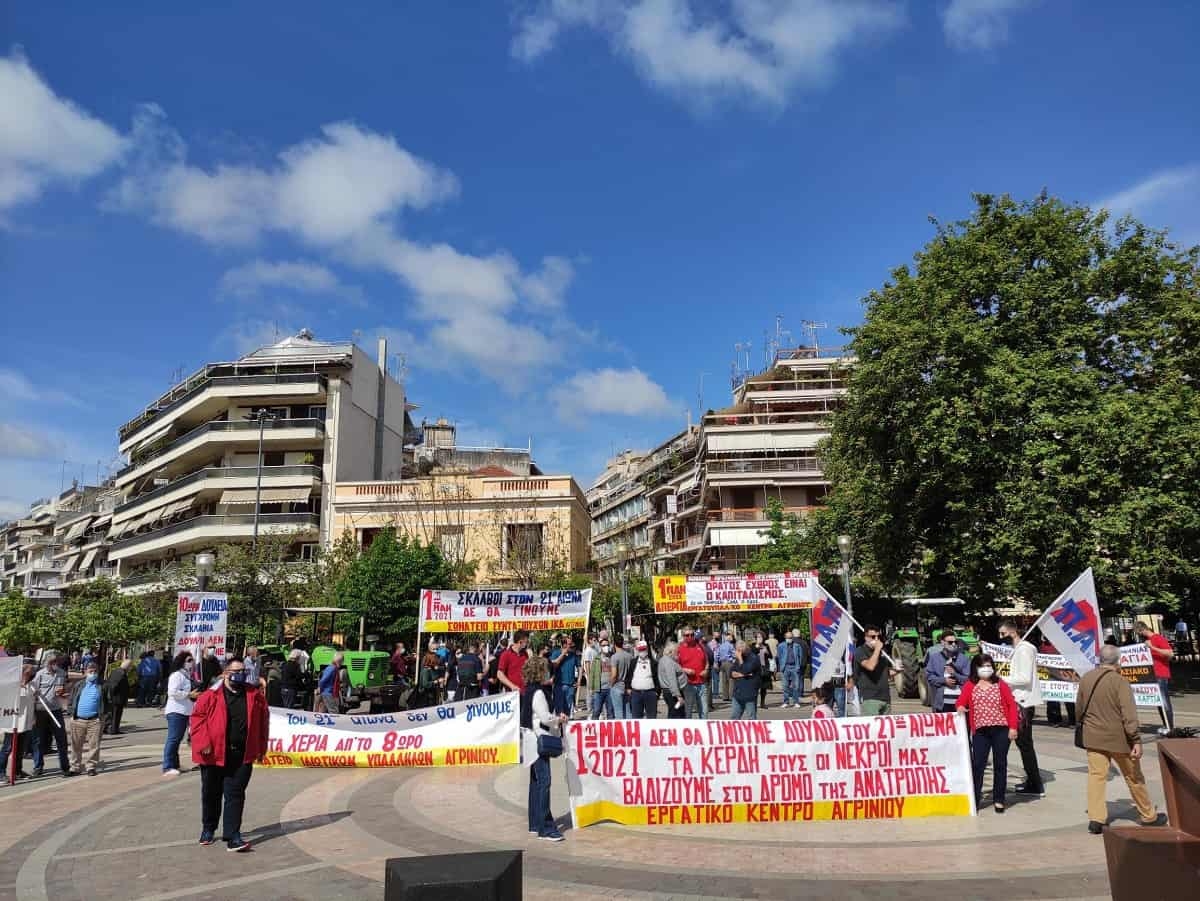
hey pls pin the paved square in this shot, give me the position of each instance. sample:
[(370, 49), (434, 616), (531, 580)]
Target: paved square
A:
[(128, 834)]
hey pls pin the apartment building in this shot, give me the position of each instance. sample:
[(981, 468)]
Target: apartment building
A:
[(81, 538), (490, 507), (620, 507), (709, 514), (34, 551), (320, 412)]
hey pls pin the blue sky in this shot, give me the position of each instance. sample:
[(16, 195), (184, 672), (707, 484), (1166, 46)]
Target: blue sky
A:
[(562, 212)]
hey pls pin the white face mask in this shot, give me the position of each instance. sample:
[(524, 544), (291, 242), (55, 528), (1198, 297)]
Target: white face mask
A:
[(985, 672), (604, 649), (643, 654)]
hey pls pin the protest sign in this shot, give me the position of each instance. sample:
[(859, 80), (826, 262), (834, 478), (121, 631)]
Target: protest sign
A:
[(751, 593), (467, 733), (1060, 682), (653, 772), (488, 610), (201, 619), (829, 631), (10, 690)]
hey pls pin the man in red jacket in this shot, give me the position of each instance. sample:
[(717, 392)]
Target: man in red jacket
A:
[(230, 724)]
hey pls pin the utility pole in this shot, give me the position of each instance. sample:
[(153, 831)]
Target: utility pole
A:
[(262, 415)]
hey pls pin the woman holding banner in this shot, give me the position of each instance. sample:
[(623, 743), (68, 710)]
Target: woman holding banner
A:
[(536, 715), (992, 717)]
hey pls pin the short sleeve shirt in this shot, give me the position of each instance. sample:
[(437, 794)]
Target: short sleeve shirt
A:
[(872, 685), (1162, 668), (511, 664)]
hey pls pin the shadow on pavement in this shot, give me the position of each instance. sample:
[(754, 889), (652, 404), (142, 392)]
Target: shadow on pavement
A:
[(281, 829)]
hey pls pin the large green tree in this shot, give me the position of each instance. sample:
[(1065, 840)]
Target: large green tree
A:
[(1024, 405), (384, 582), (24, 624)]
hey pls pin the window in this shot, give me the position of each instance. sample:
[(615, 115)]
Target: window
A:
[(272, 458), (308, 552), (453, 542), (523, 544), (317, 413), (366, 537)]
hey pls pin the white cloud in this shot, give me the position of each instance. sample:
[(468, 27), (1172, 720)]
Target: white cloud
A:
[(621, 392), (19, 442), (44, 138), (1161, 186), (253, 278), (14, 386), (979, 24), (548, 286), (324, 191), (763, 49)]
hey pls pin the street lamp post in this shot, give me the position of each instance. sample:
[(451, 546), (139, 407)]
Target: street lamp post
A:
[(205, 562), (623, 550), (261, 415), (845, 545)]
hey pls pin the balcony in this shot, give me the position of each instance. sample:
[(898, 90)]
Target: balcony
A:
[(242, 431), (733, 469), (216, 476), (188, 393), (211, 528), (750, 514)]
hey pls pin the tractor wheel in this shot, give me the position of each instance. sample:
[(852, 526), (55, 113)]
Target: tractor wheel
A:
[(923, 690), (906, 681)]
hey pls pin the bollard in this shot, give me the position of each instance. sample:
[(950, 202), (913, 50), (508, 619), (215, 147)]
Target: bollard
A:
[(478, 876)]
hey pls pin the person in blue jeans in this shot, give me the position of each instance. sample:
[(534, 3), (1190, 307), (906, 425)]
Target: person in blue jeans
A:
[(564, 663), (790, 664), (181, 695), (620, 665), (536, 715), (149, 673)]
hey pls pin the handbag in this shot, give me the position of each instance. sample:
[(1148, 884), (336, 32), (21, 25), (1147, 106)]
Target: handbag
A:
[(1083, 712), (550, 746)]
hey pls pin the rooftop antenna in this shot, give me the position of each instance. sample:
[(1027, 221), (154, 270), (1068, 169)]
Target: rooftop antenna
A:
[(700, 398), (811, 328), (739, 373), (776, 342)]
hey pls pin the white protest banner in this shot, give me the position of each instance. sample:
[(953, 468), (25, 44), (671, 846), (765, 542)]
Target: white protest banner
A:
[(1059, 681), (487, 610), (754, 592), (1072, 623), (480, 732), (655, 772), (10, 690), (201, 619)]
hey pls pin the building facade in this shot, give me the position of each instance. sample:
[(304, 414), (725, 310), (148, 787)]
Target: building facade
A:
[(711, 515), (489, 508), (329, 413)]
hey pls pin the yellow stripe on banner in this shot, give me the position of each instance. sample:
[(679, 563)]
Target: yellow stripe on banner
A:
[(484, 625), (711, 814), (485, 755)]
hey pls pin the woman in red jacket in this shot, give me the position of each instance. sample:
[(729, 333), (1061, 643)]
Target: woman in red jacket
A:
[(230, 724), (992, 718)]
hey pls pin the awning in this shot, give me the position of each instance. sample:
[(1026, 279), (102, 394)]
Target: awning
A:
[(285, 495), (87, 560), (78, 528), (235, 496), (69, 566)]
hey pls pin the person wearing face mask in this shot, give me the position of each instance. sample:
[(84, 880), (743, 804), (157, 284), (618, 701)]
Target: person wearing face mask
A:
[(210, 667), (87, 708), (947, 670), (643, 684), (791, 666), (230, 727), (694, 662), (181, 695), (599, 678), (1022, 678), (992, 718)]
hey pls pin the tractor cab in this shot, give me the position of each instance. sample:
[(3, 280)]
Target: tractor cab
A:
[(910, 643)]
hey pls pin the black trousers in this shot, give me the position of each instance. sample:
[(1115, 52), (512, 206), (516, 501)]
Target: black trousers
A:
[(227, 784), (1033, 775), (112, 719)]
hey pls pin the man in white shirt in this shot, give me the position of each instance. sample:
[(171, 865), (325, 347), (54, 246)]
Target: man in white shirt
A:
[(1022, 678)]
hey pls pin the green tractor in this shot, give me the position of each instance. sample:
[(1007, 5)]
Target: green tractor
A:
[(909, 645)]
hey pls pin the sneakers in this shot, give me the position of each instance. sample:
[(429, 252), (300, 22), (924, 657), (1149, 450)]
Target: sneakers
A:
[(37, 771), (237, 844), (1025, 788), (1095, 828), (206, 837), (170, 773), (1164, 731), (552, 837)]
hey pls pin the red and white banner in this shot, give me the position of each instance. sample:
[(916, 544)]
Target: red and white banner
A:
[(488, 610), (753, 592), (672, 772), (1072, 623), (201, 621)]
